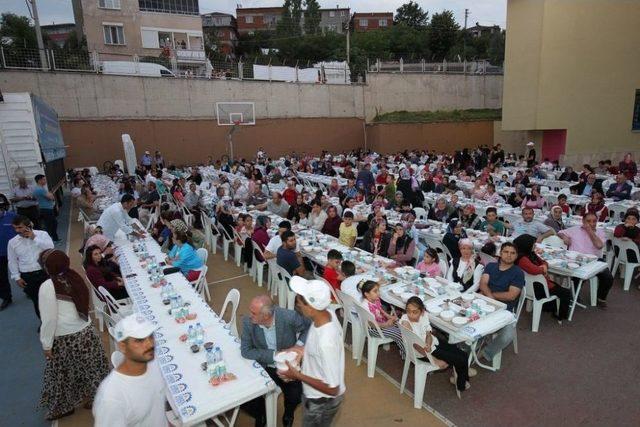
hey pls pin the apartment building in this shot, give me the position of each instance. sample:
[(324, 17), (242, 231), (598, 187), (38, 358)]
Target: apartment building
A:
[(336, 20), (225, 29), (372, 21), (482, 30), (255, 19), (119, 29)]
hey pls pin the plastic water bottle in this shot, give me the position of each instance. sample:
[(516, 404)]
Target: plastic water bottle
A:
[(199, 330), (210, 357), (217, 352), (191, 335)]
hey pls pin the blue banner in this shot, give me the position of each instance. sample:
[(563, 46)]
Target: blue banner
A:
[(48, 129)]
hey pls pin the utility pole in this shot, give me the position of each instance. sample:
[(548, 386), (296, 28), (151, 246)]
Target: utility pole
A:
[(464, 35), (36, 21), (348, 43)]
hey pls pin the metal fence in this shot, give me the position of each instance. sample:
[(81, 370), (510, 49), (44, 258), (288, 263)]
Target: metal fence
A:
[(444, 67)]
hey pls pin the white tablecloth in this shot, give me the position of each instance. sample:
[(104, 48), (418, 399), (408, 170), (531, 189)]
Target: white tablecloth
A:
[(191, 396)]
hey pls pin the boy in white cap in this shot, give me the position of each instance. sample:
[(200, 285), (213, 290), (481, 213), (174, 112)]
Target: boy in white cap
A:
[(322, 373), (133, 394)]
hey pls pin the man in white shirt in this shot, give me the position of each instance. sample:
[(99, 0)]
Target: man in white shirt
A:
[(133, 394), (322, 373), (24, 201), (116, 217), (23, 252)]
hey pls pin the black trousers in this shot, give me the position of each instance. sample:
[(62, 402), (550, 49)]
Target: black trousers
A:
[(49, 222), (292, 392), (34, 279), (456, 358), (32, 213), (5, 285)]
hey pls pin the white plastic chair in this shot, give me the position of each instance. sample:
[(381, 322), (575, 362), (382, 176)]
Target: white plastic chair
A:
[(200, 284), (444, 267), (367, 321), (554, 242), (351, 316), (627, 254), (616, 212), (421, 213), (210, 238), (226, 241), (257, 267), (233, 298), (530, 297), (203, 254), (111, 324), (99, 307), (486, 258), (122, 307), (421, 370), (237, 248), (286, 297)]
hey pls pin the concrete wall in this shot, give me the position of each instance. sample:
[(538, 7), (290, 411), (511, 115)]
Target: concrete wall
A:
[(574, 65), (387, 92), (442, 137), (96, 96), (512, 141), (91, 142)]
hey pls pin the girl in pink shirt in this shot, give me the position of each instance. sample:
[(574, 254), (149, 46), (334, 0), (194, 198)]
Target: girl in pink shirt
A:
[(430, 264), (387, 322)]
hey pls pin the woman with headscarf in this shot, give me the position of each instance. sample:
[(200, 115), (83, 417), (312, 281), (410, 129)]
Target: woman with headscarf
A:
[(390, 188), (184, 257), (196, 237), (104, 272), (442, 211), (402, 247), (465, 268), (554, 220), (408, 185), (468, 217), (376, 240), (529, 261), (427, 185), (597, 206), (75, 360), (332, 223), (519, 193), (455, 232), (333, 190), (261, 234)]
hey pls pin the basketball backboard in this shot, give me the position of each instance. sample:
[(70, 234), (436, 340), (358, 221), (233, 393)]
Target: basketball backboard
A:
[(235, 113)]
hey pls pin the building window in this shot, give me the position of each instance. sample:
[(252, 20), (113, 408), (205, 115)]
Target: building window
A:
[(180, 7), (364, 22), (382, 22), (332, 13), (164, 40), (342, 13), (248, 19), (113, 34), (109, 4), (635, 124)]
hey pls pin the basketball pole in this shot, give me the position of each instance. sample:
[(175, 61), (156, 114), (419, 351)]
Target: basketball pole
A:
[(230, 139)]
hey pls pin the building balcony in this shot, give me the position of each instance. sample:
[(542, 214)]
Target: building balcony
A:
[(189, 55)]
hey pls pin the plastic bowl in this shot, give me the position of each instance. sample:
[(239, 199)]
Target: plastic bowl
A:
[(447, 315), (459, 321), (436, 310)]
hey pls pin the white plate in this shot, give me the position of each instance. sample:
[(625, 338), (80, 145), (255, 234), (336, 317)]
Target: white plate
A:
[(488, 308), (573, 265), (468, 297), (436, 310), (447, 314), (459, 321)]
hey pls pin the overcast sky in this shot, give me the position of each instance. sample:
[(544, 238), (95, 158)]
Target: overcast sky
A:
[(487, 12)]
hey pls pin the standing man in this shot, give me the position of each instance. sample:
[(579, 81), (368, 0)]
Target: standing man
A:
[(116, 217), (322, 373), (267, 331), (23, 253), (6, 233), (503, 281), (586, 239), (146, 161), (24, 201), (46, 204), (133, 394)]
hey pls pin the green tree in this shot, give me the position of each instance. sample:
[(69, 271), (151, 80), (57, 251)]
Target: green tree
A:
[(408, 42), (311, 17), (289, 25), (17, 31), (412, 15), (443, 33), (495, 52), (74, 42)]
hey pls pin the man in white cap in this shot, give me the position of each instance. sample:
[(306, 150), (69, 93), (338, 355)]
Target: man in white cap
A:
[(322, 373), (146, 161), (133, 394), (531, 155)]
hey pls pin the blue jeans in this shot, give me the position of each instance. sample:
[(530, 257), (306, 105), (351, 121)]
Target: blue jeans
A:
[(500, 341)]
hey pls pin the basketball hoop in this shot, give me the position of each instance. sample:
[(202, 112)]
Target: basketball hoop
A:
[(236, 122)]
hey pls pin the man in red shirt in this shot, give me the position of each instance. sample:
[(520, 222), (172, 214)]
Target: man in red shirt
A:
[(332, 273), (290, 193)]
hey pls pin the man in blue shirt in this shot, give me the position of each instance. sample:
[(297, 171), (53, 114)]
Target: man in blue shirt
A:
[(6, 233), (146, 161), (288, 258), (46, 203), (502, 281)]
